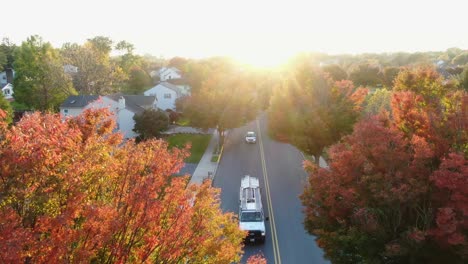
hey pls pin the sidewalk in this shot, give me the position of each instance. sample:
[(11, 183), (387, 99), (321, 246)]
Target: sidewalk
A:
[(185, 130), (205, 166)]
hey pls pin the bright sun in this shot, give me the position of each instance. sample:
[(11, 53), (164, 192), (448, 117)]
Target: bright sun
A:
[(263, 58)]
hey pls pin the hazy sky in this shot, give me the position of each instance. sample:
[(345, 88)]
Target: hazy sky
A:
[(254, 31)]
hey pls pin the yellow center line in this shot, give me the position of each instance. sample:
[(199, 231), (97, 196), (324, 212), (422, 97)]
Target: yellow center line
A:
[(274, 238)]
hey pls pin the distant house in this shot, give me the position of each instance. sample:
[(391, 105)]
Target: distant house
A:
[(166, 95), (6, 80), (169, 73), (155, 73), (182, 84), (70, 69), (7, 77), (7, 92), (124, 108), (76, 104)]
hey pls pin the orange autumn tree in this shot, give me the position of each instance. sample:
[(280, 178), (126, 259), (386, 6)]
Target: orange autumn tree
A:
[(396, 188), (74, 191)]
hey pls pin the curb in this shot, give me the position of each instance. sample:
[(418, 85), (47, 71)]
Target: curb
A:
[(217, 163), (220, 154)]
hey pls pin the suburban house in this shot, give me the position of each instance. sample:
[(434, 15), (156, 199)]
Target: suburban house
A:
[(6, 80), (182, 84), (70, 69), (124, 108), (166, 94), (7, 91), (169, 73)]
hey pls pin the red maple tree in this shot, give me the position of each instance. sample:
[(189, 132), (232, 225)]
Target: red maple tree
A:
[(396, 188), (73, 191)]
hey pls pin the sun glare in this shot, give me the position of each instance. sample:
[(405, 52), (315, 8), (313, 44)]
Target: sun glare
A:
[(262, 60)]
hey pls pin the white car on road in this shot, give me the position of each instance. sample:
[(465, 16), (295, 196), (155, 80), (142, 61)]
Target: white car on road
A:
[(250, 137)]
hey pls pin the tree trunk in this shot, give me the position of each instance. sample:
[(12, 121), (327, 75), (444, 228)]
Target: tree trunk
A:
[(317, 159)]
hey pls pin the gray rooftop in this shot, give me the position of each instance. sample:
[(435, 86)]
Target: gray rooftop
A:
[(172, 87), (135, 103), (79, 101)]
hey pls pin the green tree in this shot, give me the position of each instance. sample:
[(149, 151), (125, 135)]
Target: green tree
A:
[(178, 62), (461, 59), (336, 72), (3, 60), (138, 81), (97, 73), (453, 52), (128, 60), (265, 82), (150, 123), (40, 81), (423, 80), (378, 102), (7, 53), (225, 101), (464, 79), (366, 74), (389, 74), (102, 45), (196, 73), (313, 111), (6, 106)]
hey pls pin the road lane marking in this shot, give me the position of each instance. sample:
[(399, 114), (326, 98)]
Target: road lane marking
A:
[(274, 238)]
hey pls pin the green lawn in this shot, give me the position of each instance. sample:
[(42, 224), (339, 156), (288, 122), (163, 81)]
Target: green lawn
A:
[(183, 121), (199, 144)]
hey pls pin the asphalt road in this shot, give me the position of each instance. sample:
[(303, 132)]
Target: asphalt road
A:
[(282, 165)]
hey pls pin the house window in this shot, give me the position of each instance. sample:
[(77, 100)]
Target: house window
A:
[(6, 91), (167, 96), (65, 111)]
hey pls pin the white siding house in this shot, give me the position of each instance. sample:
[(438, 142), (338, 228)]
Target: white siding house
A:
[(169, 74), (7, 91), (184, 88), (166, 95), (124, 117), (124, 108), (68, 68), (75, 105), (6, 80)]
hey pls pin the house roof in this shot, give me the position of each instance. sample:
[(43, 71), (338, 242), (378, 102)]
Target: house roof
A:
[(172, 87), (79, 101), (163, 69), (135, 103), (180, 81), (8, 86)]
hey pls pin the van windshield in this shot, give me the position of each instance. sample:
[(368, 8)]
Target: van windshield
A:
[(251, 217)]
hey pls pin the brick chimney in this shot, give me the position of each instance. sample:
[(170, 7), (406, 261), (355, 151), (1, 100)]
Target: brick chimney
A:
[(9, 75)]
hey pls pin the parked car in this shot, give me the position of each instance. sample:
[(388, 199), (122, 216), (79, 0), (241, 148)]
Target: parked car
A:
[(250, 137)]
